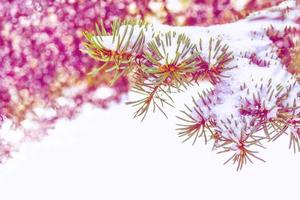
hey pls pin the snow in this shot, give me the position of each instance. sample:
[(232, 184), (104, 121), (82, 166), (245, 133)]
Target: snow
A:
[(243, 37)]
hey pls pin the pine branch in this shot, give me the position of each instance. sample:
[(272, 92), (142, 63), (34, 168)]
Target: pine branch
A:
[(118, 49), (152, 97), (211, 67), (241, 148), (195, 125)]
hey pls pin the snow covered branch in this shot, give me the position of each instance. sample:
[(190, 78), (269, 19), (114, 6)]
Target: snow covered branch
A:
[(251, 65)]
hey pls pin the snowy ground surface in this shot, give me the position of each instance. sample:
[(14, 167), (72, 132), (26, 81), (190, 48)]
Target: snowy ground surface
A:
[(107, 155)]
